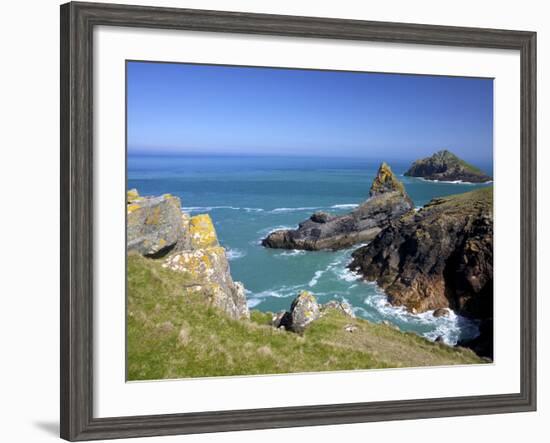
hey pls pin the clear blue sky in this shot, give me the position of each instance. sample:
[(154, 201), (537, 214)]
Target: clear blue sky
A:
[(240, 110)]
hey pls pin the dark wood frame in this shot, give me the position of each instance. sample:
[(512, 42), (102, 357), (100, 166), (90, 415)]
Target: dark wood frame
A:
[(77, 24)]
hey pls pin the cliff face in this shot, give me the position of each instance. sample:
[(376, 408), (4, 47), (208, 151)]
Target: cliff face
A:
[(157, 229), (388, 200), (438, 257), (445, 166)]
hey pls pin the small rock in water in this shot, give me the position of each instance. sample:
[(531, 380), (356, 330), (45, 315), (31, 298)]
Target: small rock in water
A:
[(439, 339), (441, 312)]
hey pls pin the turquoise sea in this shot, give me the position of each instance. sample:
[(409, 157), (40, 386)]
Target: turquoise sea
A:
[(247, 197)]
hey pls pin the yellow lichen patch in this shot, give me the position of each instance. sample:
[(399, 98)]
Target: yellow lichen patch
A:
[(133, 207), (306, 295), (386, 181), (202, 232), (131, 195)]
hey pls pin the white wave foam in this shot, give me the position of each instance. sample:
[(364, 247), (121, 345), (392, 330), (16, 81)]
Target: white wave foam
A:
[(291, 253), (251, 302), (234, 254), (210, 208), (307, 208), (282, 292), (450, 328), (454, 182), (347, 275), (316, 278)]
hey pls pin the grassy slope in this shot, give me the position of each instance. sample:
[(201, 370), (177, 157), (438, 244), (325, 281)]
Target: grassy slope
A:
[(173, 334)]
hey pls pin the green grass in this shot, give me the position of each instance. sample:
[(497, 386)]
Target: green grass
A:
[(172, 333)]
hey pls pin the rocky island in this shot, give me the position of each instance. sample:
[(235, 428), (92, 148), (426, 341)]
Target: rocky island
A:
[(439, 257), (445, 166), (387, 201)]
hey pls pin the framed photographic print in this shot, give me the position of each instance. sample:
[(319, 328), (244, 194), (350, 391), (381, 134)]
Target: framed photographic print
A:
[(273, 221)]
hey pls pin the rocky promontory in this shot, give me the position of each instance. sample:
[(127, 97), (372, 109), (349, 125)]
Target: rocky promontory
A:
[(445, 166), (159, 230), (438, 257), (387, 201)]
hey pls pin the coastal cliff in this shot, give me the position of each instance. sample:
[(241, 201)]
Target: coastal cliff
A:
[(174, 334), (387, 200), (158, 229), (438, 257), (445, 166), (186, 317)]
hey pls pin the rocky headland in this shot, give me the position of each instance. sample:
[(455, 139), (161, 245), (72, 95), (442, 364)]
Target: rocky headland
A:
[(438, 257), (387, 201), (187, 317), (158, 229), (445, 166)]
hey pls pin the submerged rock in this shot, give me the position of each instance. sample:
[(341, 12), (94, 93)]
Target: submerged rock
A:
[(158, 229), (441, 312), (445, 166), (439, 257), (387, 201)]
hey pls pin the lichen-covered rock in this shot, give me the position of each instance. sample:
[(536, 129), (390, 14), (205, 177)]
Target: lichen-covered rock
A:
[(203, 234), (387, 201), (303, 311), (445, 166), (132, 195), (385, 181), (206, 265), (157, 228), (341, 306), (153, 223), (438, 257)]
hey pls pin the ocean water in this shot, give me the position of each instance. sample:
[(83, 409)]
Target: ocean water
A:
[(247, 197)]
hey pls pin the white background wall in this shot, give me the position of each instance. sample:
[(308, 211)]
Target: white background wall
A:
[(29, 214)]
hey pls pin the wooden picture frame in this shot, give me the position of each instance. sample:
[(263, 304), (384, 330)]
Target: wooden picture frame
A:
[(77, 23)]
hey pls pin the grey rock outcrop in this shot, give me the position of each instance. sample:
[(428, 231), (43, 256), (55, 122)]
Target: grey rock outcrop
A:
[(153, 223), (387, 201), (305, 309), (158, 229), (341, 306)]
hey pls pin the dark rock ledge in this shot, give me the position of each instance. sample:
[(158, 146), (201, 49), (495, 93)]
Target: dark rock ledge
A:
[(438, 257), (323, 231)]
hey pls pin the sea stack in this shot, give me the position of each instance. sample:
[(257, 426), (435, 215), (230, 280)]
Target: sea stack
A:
[(438, 257), (387, 201), (445, 166)]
